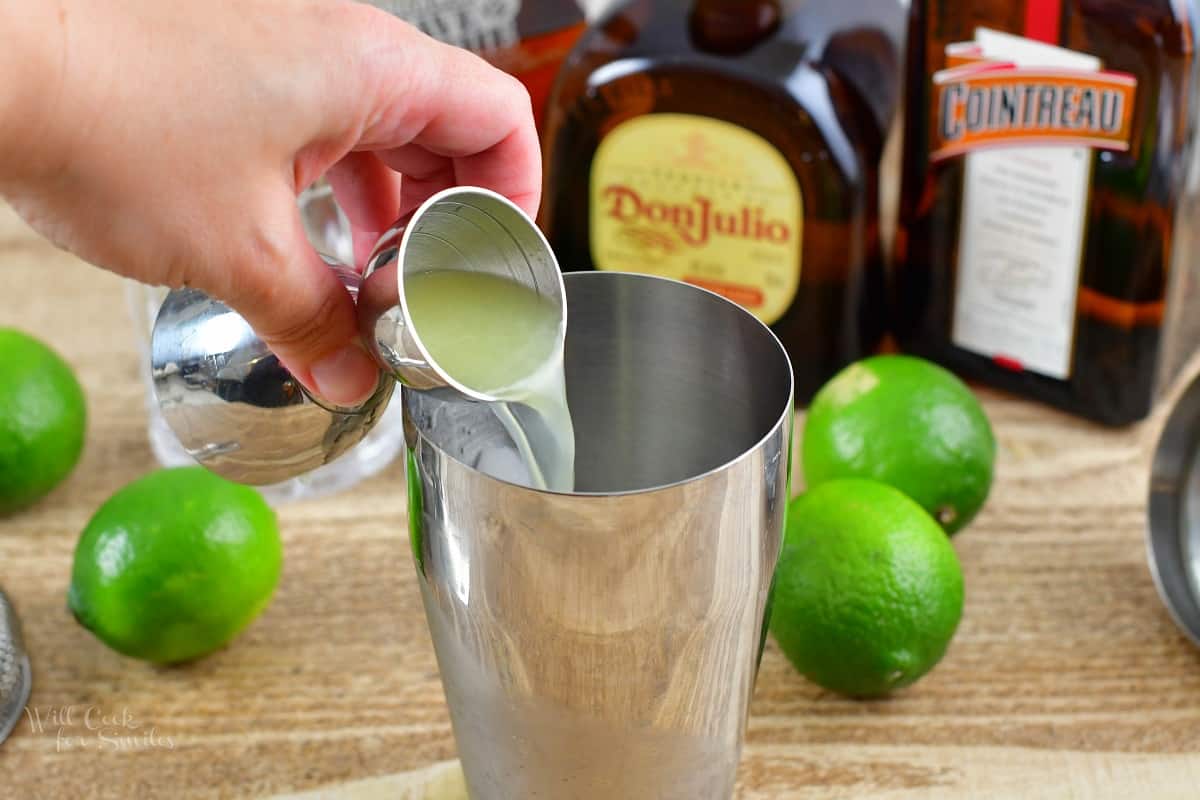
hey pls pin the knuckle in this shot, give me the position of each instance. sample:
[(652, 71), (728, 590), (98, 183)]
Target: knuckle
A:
[(175, 272), (515, 99), (265, 280), (516, 90), (303, 328), (270, 244), (258, 260)]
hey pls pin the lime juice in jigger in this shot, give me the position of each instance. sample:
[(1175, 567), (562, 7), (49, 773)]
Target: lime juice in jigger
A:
[(498, 337)]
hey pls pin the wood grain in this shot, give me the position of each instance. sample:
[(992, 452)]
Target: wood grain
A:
[(1066, 679)]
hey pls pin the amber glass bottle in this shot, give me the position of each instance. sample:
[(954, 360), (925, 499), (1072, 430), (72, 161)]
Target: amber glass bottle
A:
[(526, 38), (734, 144), (1056, 269)]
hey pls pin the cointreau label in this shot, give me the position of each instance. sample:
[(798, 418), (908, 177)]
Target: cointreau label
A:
[(700, 200), (1028, 117), (984, 103)]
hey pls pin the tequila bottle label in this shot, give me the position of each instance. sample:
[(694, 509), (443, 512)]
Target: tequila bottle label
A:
[(700, 200)]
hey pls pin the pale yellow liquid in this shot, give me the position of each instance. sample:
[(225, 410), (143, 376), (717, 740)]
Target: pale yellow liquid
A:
[(500, 338)]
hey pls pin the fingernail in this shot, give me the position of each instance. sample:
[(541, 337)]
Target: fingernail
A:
[(347, 377)]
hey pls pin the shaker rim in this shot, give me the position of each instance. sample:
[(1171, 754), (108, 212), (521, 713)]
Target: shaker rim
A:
[(1170, 530), (786, 417)]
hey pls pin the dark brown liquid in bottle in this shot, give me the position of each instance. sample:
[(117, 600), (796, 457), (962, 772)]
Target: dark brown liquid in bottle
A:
[(1118, 336), (816, 81)]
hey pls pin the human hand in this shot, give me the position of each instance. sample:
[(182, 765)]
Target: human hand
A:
[(167, 142)]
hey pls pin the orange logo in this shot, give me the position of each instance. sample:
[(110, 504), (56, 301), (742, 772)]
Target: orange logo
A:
[(696, 154), (695, 223), (989, 104)]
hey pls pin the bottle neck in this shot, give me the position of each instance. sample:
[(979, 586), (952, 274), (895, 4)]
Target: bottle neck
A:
[(729, 27)]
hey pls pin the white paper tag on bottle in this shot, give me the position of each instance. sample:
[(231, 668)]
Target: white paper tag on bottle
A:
[(1022, 232)]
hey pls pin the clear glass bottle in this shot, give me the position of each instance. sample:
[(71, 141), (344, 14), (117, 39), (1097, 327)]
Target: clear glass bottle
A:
[(329, 232)]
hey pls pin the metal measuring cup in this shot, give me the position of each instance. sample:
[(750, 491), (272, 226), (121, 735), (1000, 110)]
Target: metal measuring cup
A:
[(239, 412), (472, 230)]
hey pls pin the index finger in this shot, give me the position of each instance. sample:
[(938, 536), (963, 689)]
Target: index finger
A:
[(453, 104)]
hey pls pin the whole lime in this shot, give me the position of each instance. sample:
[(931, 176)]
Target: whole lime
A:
[(43, 419), (174, 565), (910, 424), (868, 591)]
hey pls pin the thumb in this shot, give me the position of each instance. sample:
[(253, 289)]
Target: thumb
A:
[(300, 308)]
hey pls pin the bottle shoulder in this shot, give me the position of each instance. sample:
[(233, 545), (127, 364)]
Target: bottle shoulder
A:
[(798, 28), (1169, 26), (642, 32), (801, 54), (805, 118)]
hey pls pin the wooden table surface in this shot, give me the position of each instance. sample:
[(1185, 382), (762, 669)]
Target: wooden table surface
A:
[(1066, 678)]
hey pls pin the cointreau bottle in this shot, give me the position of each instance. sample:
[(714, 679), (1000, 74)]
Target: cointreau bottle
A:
[(1047, 237), (734, 144), (526, 38)]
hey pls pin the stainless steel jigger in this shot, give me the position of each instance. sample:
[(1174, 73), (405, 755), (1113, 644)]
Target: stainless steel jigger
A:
[(241, 414), (473, 230)]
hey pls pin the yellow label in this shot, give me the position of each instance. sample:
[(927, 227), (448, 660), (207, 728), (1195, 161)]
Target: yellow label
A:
[(702, 201)]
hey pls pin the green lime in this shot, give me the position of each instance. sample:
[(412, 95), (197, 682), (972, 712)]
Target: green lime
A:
[(868, 592), (908, 423), (175, 565), (43, 418)]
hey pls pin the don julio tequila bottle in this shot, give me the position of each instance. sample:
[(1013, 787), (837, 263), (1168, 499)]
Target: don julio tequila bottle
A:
[(735, 145), (1047, 232)]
